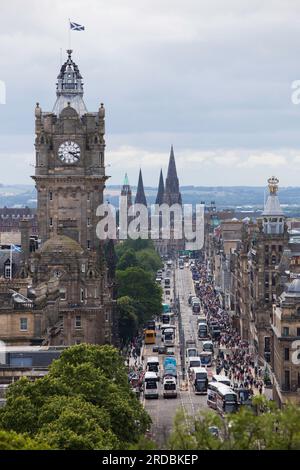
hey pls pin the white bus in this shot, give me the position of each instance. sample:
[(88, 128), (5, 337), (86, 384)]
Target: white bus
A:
[(193, 362), (152, 364), (151, 389), (222, 398), (206, 358), (169, 387), (199, 380), (168, 337), (221, 379), (167, 326), (191, 352)]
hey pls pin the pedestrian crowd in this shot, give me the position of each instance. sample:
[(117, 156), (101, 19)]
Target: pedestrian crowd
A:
[(234, 358)]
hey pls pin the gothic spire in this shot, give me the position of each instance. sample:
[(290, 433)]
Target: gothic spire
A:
[(161, 190), (126, 190), (172, 194), (69, 88), (140, 197)]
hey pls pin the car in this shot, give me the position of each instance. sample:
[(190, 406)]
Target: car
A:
[(170, 351)]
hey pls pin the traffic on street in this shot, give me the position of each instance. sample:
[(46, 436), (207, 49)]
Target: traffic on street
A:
[(192, 359)]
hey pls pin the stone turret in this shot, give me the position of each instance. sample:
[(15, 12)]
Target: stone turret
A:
[(140, 197)]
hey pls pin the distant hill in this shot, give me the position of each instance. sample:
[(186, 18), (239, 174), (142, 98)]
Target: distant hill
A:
[(238, 197)]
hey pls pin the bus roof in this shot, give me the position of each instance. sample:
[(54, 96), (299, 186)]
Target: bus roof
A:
[(150, 375), (195, 358), (167, 325), (152, 359), (222, 388), (200, 370), (219, 378)]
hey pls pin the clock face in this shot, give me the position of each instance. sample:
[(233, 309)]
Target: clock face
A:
[(69, 152), (57, 273)]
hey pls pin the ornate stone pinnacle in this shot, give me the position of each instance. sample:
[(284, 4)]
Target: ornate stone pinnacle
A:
[(273, 184)]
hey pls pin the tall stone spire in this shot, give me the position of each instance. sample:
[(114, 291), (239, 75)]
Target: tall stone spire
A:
[(140, 197), (69, 88), (126, 190), (273, 216), (172, 194), (161, 190)]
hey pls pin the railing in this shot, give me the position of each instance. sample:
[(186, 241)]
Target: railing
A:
[(24, 306)]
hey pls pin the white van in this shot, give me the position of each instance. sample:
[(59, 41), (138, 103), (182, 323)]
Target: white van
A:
[(169, 387)]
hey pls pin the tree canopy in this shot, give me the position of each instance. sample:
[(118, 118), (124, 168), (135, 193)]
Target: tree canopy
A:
[(263, 428), (84, 402), (140, 286), (139, 296)]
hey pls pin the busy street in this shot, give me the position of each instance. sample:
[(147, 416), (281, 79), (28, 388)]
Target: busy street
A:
[(204, 345)]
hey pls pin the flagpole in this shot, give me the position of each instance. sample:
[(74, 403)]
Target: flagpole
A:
[(10, 274), (69, 34)]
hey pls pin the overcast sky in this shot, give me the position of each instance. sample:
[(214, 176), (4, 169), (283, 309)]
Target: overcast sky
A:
[(211, 77)]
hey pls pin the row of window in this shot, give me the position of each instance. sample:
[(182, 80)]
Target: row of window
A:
[(51, 222), (273, 248), (51, 196), (24, 323), (286, 330)]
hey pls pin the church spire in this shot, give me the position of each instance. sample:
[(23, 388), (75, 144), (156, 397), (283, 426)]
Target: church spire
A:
[(126, 190), (172, 194), (69, 88), (161, 190), (140, 197)]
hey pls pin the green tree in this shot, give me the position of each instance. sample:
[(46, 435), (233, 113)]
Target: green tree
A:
[(149, 260), (71, 423), (128, 320), (262, 428), (144, 291), (84, 402), (127, 260), (135, 245), (10, 440)]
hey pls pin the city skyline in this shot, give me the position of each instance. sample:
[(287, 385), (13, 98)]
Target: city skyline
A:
[(190, 77)]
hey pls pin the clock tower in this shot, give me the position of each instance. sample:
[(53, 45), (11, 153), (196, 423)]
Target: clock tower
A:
[(70, 173), (70, 180)]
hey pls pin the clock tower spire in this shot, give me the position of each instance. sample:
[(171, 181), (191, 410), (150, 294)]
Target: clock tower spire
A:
[(70, 179), (70, 172)]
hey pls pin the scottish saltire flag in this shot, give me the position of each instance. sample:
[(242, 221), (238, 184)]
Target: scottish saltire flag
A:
[(76, 26), (15, 248)]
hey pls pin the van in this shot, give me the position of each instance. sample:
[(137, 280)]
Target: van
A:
[(169, 387)]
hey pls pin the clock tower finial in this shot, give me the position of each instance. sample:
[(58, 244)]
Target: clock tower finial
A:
[(69, 88)]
